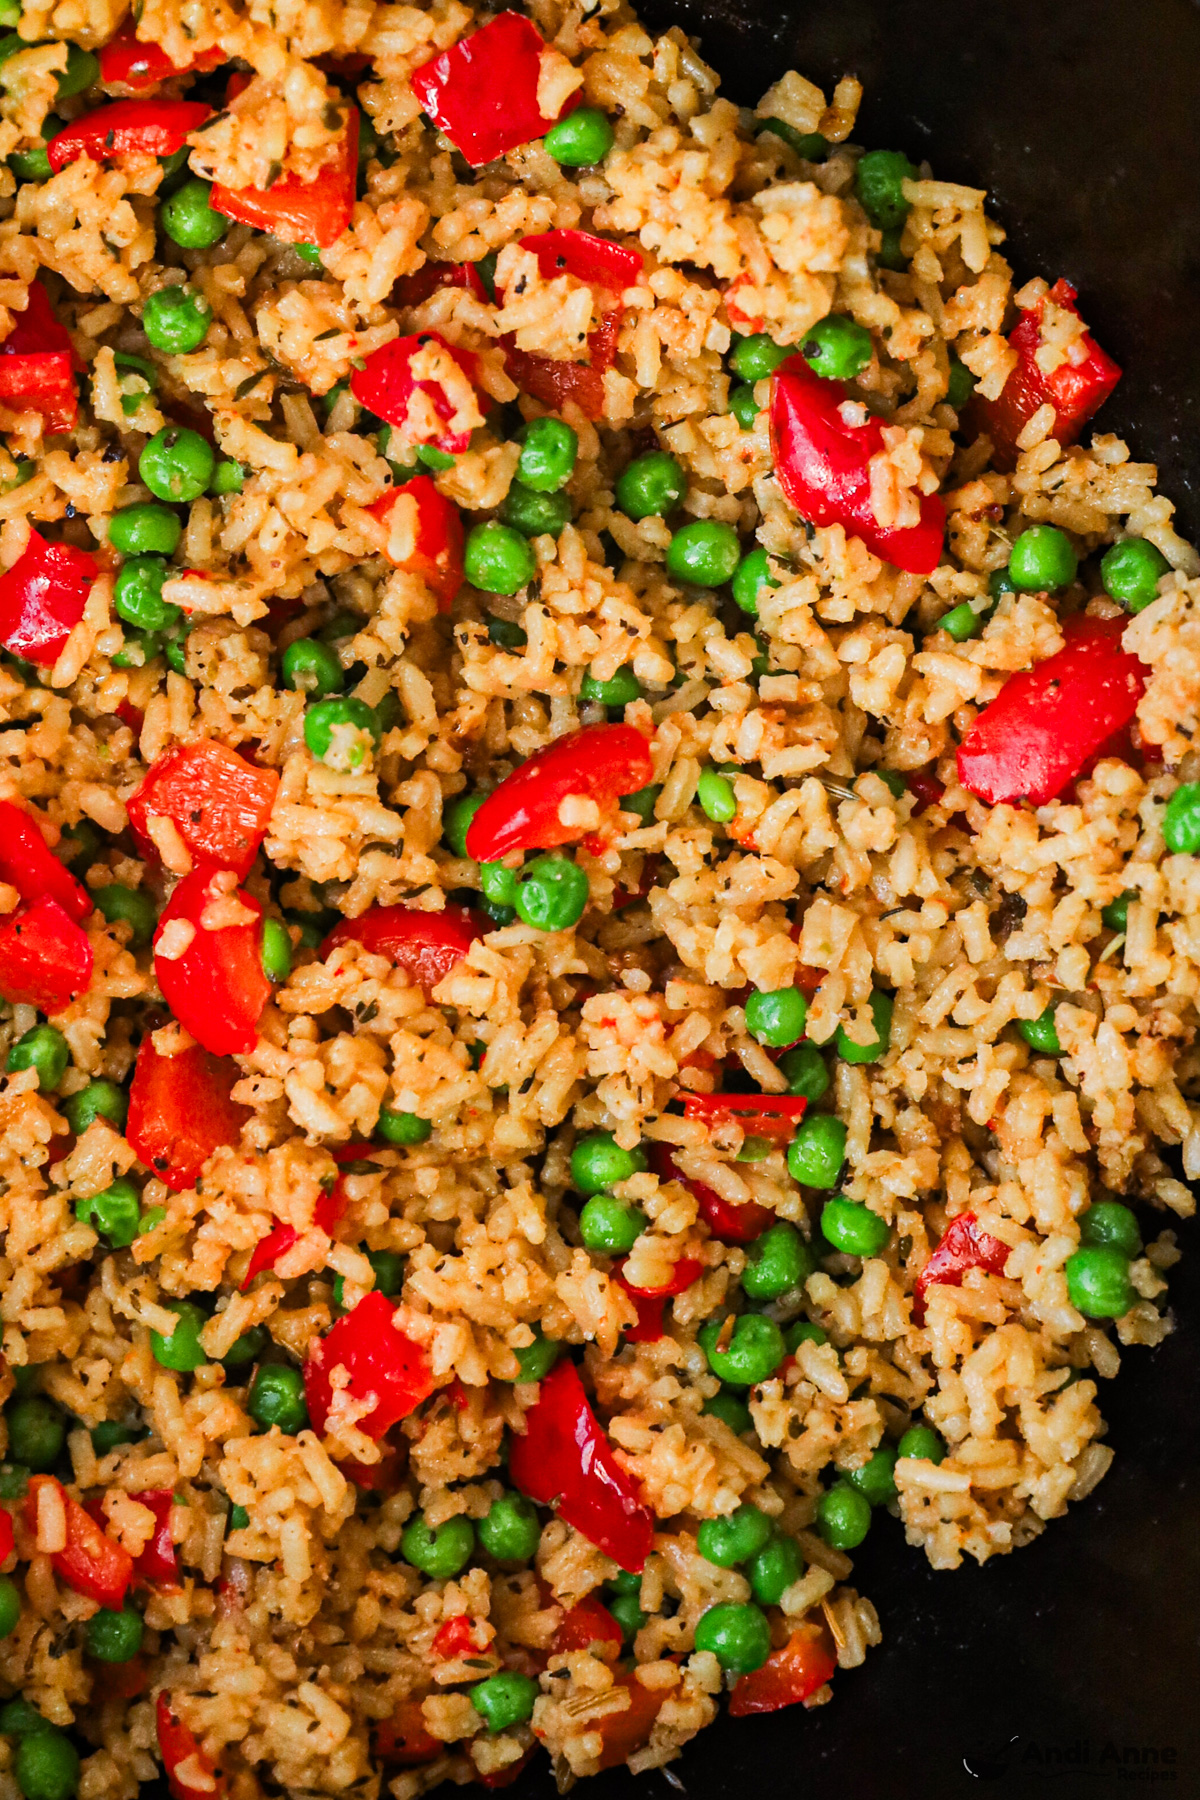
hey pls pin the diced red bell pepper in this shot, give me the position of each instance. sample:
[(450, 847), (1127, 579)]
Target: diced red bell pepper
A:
[(42, 598), (45, 957), (1040, 730), (625, 1732), (585, 1624), (177, 1746), (382, 1364), (28, 864), (1076, 390), (925, 788), (38, 364), (220, 803), (823, 466), (651, 1302), (555, 384), (126, 62), (600, 763), (91, 1562), (158, 1562), (482, 93), (180, 1111), (385, 385), (38, 330), (301, 212), (456, 1638), (6, 1535), (268, 1250), (414, 290), (217, 988), (596, 260), (730, 1222), (382, 1477), (964, 1246), (427, 944), (794, 1673), (773, 1116), (128, 128), (403, 1739), (562, 1459), (437, 547)]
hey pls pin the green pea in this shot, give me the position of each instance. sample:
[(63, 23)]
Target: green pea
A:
[(247, 1348), (1043, 561), (537, 1359), (961, 384), (176, 321), (751, 576), (1041, 1033), (744, 406), (82, 71), (598, 1163), (506, 633), (127, 906), (137, 648), (457, 818), (881, 1014), (42, 1048), (810, 145), (504, 1700), (777, 1018), (777, 1262), (843, 1516), (47, 1765), (532, 513), (549, 448), (757, 356), (114, 1637), (878, 183), (145, 529), (439, 1554), (1116, 914), (190, 220), (151, 1219), (1108, 1222), (10, 1606), (731, 1410), (753, 1353), (498, 559), (922, 1443), (838, 348), (402, 1127), (650, 486), (704, 553), (1000, 582), (18, 1719), (388, 1268), (804, 1331), (336, 731), (115, 1213), (551, 894), (37, 1432), (716, 796), (818, 1151), (626, 1610), (276, 950), (583, 138), (620, 689), (738, 1636), (851, 1227), (1098, 1282), (961, 622), (804, 1070), (100, 1099), (877, 1477), (1181, 821), (510, 1530), (276, 1397), (137, 594), (610, 1226), (643, 802), (182, 1350), (1131, 572), (109, 1433), (177, 464), (498, 883), (735, 1537), (772, 1572), (310, 667)]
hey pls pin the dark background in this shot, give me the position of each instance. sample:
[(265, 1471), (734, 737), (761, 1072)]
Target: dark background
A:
[(1081, 119)]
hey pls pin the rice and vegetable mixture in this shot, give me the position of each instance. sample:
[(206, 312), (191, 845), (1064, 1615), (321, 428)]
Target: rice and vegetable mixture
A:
[(598, 866)]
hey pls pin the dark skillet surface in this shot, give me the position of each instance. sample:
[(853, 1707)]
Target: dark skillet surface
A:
[(1083, 1647)]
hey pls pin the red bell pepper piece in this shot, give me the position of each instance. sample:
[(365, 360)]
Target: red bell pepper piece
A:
[(28, 864), (727, 1220), (823, 466), (90, 1562), (301, 212), (180, 1111), (437, 550), (382, 1364), (625, 1732), (42, 598), (6, 1535), (455, 1639), (38, 364), (1040, 730), (651, 1302), (773, 1116), (482, 93), (964, 1246), (596, 260), (158, 1561), (45, 957), (385, 385), (217, 988), (602, 763), (562, 1459), (126, 62), (587, 1623), (404, 1740), (427, 944), (128, 128), (383, 1477), (220, 803), (925, 788), (1075, 390), (794, 1673), (178, 1747), (268, 1250), (414, 290), (556, 383)]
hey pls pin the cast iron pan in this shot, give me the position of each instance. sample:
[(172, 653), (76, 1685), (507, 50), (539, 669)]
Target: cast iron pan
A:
[(1068, 1668)]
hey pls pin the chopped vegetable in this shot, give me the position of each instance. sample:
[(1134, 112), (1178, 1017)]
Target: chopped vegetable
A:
[(524, 812), (301, 212), (215, 985), (382, 1365), (483, 92), (1076, 388), (128, 128), (42, 598), (218, 802), (181, 1111), (427, 944)]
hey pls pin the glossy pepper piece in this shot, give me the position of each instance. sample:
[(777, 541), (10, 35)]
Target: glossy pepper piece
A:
[(482, 93), (217, 988), (180, 1111), (219, 803), (268, 1250), (456, 1638), (42, 598), (587, 1623), (624, 1732), (414, 290), (38, 364), (45, 957), (964, 1245), (731, 1223), (789, 1675), (403, 1740), (28, 864), (1047, 722), (773, 1116), (1076, 390), (90, 1561), (390, 377), (425, 536), (382, 1365), (603, 265), (300, 212), (600, 763), (179, 1750), (127, 128), (823, 466), (597, 260), (427, 944), (562, 1459), (651, 1302), (158, 1563), (126, 62)]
